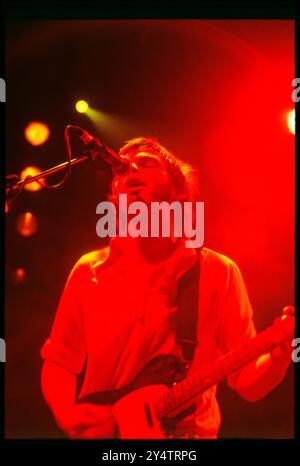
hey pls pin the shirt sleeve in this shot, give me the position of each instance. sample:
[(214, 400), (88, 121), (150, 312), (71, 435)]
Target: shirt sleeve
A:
[(66, 344), (236, 316)]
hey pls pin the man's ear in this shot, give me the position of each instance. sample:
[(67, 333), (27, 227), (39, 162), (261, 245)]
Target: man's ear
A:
[(112, 194)]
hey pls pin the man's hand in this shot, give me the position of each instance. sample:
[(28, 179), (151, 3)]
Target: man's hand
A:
[(282, 354), (262, 375), (88, 421)]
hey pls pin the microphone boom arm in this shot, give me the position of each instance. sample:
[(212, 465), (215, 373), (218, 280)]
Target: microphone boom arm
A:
[(51, 171), (14, 188), (94, 149)]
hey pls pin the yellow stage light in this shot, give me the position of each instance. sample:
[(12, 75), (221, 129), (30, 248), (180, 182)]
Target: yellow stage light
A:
[(35, 185), (82, 106), (37, 133), (291, 121)]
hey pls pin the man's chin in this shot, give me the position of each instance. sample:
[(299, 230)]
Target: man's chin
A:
[(133, 197), (138, 195)]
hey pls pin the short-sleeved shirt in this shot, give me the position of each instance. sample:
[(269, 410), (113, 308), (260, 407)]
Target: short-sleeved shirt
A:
[(117, 312)]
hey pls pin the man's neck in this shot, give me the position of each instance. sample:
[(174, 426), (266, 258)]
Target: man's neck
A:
[(155, 250), (149, 250)]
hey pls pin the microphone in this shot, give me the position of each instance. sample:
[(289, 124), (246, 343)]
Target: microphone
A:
[(119, 164)]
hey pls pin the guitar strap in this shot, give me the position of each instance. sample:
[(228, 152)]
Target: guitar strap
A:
[(187, 311)]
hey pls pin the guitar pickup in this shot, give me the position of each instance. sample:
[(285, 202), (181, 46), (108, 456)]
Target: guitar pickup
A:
[(169, 423)]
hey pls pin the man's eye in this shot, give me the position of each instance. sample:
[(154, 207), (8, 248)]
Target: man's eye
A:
[(148, 162)]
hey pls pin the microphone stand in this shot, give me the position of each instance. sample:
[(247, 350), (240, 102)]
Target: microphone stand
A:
[(14, 187)]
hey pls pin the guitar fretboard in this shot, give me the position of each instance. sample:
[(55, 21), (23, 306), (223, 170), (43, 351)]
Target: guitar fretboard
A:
[(183, 392)]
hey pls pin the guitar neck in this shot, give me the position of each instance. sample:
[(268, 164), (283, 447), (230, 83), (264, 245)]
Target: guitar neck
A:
[(183, 392)]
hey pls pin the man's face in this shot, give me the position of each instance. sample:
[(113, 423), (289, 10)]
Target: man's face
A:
[(145, 180)]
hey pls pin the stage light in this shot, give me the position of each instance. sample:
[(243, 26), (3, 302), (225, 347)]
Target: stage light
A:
[(18, 275), (32, 171), (37, 133), (82, 106), (291, 121), (27, 224)]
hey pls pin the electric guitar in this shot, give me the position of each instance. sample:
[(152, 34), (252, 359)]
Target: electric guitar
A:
[(161, 394)]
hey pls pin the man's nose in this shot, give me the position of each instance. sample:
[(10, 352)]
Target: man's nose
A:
[(133, 167)]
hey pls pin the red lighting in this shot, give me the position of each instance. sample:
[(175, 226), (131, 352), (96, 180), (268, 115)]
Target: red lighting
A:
[(18, 275), (27, 224)]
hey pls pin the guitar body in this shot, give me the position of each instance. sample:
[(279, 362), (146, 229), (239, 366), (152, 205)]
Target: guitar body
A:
[(134, 414), (132, 404)]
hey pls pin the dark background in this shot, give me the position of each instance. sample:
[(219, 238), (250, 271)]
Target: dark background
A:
[(216, 92)]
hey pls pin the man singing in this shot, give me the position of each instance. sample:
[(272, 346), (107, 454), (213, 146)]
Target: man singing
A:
[(119, 308)]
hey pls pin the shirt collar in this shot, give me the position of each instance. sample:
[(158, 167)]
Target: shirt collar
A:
[(181, 260)]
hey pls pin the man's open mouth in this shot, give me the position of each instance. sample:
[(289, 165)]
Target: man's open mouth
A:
[(134, 185)]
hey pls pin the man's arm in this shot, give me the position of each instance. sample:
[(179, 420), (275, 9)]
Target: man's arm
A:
[(64, 355), (76, 420), (262, 375)]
